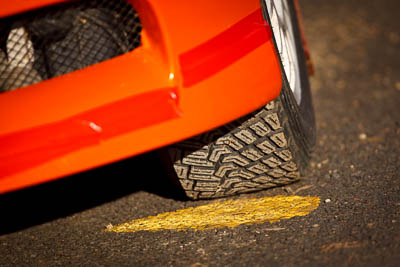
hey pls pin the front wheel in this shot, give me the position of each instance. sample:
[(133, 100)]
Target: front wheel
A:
[(267, 148)]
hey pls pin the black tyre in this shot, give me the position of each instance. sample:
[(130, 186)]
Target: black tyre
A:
[(267, 148)]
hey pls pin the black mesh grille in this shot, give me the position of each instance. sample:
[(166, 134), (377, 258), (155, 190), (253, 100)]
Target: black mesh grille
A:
[(52, 41)]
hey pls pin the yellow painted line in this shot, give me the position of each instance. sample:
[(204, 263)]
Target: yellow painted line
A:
[(229, 213)]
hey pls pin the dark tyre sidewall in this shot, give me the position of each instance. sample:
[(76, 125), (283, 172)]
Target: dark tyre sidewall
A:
[(301, 117)]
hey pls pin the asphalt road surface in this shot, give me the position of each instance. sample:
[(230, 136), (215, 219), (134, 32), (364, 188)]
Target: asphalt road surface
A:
[(355, 172)]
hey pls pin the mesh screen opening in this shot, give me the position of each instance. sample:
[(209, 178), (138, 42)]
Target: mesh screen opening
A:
[(52, 41)]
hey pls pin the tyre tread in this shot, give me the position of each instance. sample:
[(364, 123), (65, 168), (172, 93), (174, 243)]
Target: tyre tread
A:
[(249, 154)]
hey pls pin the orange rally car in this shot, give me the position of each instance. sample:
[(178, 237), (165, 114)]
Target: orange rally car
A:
[(221, 86)]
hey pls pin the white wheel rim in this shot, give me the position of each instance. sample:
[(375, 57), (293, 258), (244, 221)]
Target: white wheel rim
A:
[(282, 29)]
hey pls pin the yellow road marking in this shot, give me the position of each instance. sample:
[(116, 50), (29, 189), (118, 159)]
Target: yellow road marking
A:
[(229, 213)]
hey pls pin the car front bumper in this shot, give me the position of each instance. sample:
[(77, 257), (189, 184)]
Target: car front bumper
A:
[(185, 79)]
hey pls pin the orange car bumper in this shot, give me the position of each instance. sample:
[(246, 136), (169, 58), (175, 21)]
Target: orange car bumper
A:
[(191, 74)]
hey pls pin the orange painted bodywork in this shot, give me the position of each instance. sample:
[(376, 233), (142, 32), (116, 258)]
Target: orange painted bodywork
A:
[(201, 64)]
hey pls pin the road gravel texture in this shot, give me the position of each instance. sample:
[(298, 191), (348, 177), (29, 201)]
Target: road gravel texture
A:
[(355, 172)]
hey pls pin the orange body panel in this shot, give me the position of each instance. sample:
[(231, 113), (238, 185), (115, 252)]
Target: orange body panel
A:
[(18, 6), (208, 62)]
